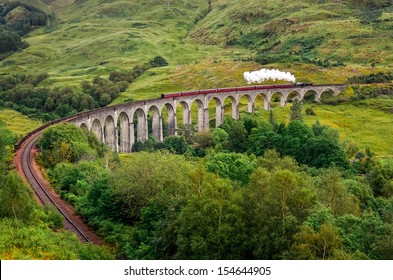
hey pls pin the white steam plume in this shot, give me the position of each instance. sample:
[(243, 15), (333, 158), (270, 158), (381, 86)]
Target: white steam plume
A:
[(266, 74)]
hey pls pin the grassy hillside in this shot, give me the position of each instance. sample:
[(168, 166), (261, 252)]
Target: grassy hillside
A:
[(95, 37), (352, 121), (17, 123)]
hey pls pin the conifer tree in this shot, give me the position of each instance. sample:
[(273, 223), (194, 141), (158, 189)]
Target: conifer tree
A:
[(296, 110)]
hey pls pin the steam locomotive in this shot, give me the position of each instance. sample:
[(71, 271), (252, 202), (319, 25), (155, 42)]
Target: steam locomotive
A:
[(235, 89)]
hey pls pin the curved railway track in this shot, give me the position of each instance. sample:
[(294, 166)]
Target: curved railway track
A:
[(42, 194), (24, 161)]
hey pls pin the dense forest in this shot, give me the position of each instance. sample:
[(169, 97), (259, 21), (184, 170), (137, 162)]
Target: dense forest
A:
[(246, 190)]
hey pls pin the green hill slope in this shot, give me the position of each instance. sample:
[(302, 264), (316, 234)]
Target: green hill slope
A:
[(94, 37), (347, 32)]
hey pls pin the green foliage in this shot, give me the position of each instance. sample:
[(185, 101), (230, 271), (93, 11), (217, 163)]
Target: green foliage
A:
[(220, 137), (310, 112), (75, 180), (160, 206), (366, 92), (334, 193), (145, 176), (101, 90), (15, 197), (64, 143), (10, 41), (323, 152), (322, 244), (176, 144), (237, 135), (271, 161), (6, 140), (17, 19), (296, 110), (372, 78), (234, 166), (277, 203), (22, 93), (22, 17), (35, 242), (380, 177), (158, 61), (211, 225)]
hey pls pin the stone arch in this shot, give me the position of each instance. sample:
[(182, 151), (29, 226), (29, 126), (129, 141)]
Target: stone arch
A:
[(97, 129), (277, 97), (140, 121), (124, 133), (201, 114), (84, 127), (234, 106), (219, 117), (185, 116), (325, 93), (311, 95), (155, 129), (110, 136), (264, 99), (291, 95), (250, 102), (171, 123)]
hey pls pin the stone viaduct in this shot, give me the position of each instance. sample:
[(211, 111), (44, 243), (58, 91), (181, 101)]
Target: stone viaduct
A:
[(122, 125)]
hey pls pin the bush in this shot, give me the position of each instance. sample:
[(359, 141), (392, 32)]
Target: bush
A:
[(158, 61), (380, 77), (10, 41), (310, 112)]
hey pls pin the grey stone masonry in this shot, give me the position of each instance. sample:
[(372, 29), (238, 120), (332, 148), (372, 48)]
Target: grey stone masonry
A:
[(122, 125)]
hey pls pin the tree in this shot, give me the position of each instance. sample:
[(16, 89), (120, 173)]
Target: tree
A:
[(364, 234), (187, 131), (64, 142), (10, 41), (322, 244), (203, 139), (158, 61), (277, 204), (144, 176), (211, 225), (260, 138), (220, 137), (237, 137), (322, 152), (334, 193), (176, 144), (234, 166), (293, 140), (6, 140), (296, 110), (16, 200)]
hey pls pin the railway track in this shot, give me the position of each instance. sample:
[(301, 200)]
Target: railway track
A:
[(40, 190)]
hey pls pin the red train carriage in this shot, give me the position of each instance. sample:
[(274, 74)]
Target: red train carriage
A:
[(236, 89)]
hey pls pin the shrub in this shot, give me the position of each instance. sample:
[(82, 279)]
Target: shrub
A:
[(310, 112)]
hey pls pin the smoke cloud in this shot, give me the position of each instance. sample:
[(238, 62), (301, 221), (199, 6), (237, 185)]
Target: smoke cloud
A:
[(266, 74)]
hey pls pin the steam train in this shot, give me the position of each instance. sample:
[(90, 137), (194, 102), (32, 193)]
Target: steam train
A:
[(236, 89)]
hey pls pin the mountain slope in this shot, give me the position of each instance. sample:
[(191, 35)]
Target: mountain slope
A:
[(341, 31), (207, 43)]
